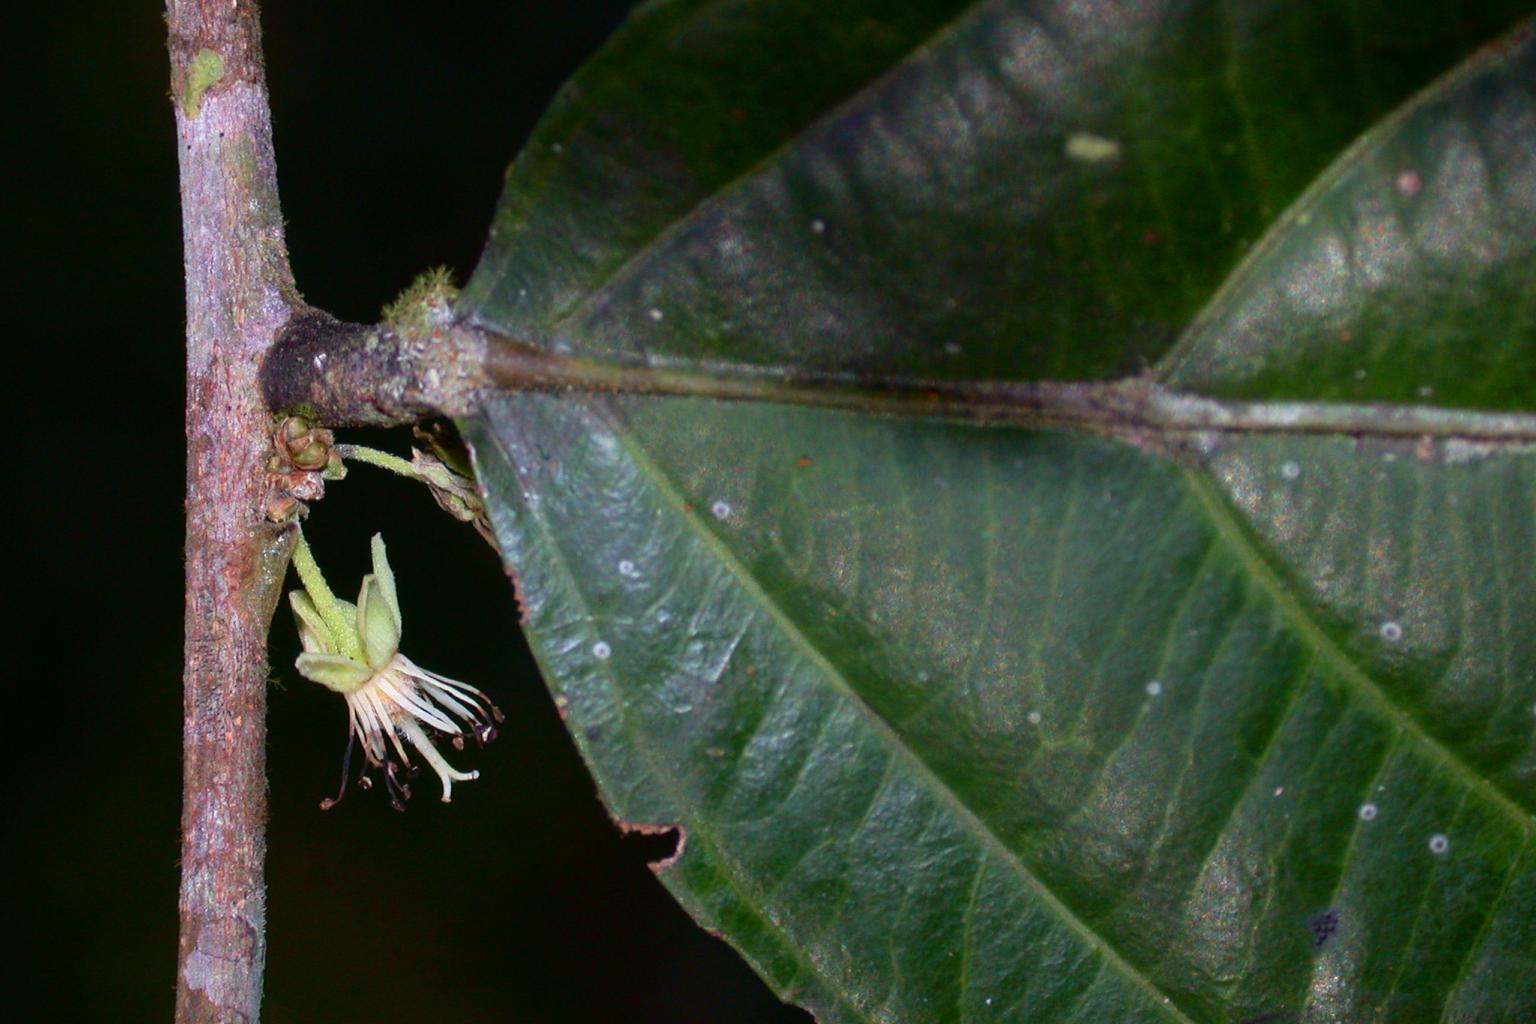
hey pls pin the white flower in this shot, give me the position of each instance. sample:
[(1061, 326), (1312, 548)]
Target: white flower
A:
[(355, 650)]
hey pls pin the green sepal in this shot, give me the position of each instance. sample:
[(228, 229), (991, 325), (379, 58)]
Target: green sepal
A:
[(386, 579), (333, 671), (376, 623), (313, 632)]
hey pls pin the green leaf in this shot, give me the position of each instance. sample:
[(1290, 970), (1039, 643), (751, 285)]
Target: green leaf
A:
[(1217, 717), (1405, 275), (887, 186)]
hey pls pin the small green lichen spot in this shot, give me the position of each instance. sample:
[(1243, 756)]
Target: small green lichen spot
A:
[(425, 305), (205, 71)]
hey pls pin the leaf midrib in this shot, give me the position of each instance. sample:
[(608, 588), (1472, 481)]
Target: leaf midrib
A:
[(1133, 406)]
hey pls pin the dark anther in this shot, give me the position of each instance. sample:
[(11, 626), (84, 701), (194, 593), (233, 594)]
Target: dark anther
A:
[(399, 792), (346, 766)]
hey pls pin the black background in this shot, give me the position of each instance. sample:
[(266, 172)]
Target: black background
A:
[(520, 901)]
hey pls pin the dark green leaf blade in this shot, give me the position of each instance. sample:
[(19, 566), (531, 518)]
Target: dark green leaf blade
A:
[(1408, 274), (1415, 558), (1034, 733), (968, 723), (991, 190)]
